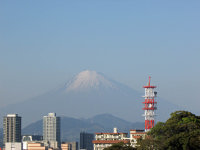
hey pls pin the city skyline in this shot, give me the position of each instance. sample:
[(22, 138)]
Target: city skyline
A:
[(43, 44)]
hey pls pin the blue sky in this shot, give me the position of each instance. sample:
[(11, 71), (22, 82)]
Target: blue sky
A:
[(44, 43)]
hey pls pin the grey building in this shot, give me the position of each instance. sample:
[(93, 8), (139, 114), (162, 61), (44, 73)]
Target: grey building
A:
[(51, 130), (11, 129), (86, 140)]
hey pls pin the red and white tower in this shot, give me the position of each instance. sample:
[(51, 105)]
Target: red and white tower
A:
[(150, 105)]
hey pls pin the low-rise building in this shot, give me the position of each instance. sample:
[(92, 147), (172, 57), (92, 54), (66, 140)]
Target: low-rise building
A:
[(13, 146), (30, 139), (69, 146), (36, 146), (103, 140), (66, 146)]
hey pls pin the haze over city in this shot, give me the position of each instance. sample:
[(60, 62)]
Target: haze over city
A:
[(44, 44)]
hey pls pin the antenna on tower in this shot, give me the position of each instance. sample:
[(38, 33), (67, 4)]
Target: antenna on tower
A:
[(149, 80)]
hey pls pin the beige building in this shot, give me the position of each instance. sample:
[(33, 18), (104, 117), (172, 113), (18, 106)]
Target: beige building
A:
[(103, 140), (69, 146), (65, 146), (39, 146), (36, 146)]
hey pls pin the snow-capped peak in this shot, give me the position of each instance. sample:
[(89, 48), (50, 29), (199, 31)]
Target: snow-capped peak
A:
[(87, 80)]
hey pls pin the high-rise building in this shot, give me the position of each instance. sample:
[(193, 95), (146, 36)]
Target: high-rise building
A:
[(11, 128), (86, 140), (51, 130)]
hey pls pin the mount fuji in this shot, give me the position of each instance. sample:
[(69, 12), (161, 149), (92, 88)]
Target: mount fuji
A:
[(88, 94)]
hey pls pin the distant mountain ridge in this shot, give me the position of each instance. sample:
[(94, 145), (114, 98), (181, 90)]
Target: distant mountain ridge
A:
[(87, 94), (71, 127)]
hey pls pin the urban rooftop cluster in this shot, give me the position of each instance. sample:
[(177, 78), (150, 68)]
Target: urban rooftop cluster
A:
[(51, 139)]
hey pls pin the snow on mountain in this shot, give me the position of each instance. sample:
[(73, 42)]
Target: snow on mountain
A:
[(89, 80), (89, 93)]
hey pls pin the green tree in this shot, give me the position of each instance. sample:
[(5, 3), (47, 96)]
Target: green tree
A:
[(180, 131)]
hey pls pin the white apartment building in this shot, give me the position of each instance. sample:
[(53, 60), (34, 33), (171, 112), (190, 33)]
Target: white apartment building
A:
[(51, 130), (103, 140)]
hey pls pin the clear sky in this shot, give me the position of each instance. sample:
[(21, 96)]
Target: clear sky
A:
[(43, 43)]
